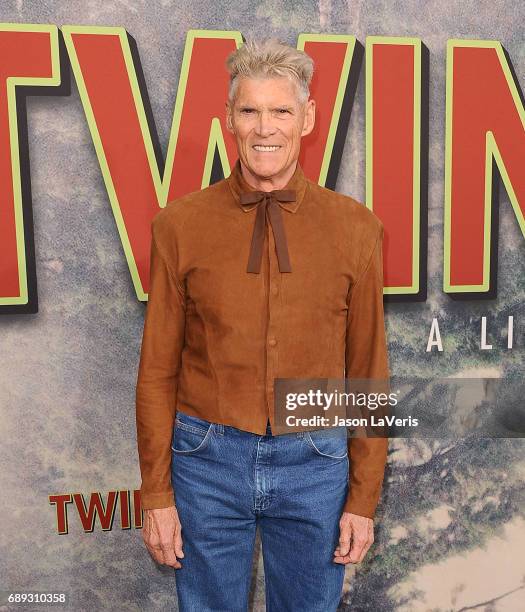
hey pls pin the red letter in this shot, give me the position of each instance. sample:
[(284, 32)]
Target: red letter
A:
[(61, 502), (395, 183), (485, 123), (96, 507), (29, 57)]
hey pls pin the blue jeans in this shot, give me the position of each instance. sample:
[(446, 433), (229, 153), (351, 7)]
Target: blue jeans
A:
[(292, 486)]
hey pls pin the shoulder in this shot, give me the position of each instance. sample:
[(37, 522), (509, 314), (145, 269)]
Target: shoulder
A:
[(356, 216), (172, 218)]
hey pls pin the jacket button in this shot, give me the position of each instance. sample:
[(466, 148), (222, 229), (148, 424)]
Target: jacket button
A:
[(272, 341), (275, 289)]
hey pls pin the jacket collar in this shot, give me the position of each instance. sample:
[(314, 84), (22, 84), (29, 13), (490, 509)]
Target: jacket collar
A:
[(238, 185)]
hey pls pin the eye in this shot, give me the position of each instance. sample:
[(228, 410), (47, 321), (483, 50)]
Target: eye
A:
[(247, 111), (283, 111)]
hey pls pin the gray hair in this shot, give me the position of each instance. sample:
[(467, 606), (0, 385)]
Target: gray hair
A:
[(267, 59)]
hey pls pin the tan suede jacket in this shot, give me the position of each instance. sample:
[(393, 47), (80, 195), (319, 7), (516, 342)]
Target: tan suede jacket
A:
[(215, 335)]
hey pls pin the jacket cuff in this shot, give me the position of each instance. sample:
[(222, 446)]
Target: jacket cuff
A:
[(151, 501), (361, 504)]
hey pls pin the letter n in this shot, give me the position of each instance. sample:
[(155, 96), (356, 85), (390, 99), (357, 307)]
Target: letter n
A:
[(485, 123)]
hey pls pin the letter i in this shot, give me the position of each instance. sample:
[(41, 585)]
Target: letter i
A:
[(510, 332)]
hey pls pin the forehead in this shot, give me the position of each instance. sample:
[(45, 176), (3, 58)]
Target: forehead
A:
[(269, 90)]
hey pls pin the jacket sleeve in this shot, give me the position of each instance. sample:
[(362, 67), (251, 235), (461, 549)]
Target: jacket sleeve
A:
[(366, 357), (157, 379)]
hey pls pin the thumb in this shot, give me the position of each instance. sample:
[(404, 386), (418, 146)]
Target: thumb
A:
[(177, 543)]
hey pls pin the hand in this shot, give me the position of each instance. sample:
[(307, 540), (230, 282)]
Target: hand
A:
[(356, 535), (162, 535)]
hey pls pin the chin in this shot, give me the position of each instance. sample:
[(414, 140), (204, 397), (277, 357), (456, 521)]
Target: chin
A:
[(266, 169)]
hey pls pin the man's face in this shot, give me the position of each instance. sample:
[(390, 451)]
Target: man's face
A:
[(268, 121)]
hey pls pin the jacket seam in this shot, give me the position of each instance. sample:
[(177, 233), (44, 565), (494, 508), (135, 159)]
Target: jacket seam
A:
[(180, 287), (368, 264), (212, 368)]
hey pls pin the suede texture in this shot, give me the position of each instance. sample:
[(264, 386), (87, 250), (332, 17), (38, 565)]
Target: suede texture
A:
[(215, 335)]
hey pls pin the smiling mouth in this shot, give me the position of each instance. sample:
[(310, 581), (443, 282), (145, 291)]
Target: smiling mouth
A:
[(266, 148)]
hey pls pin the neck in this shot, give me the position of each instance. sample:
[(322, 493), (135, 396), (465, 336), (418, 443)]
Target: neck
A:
[(267, 183)]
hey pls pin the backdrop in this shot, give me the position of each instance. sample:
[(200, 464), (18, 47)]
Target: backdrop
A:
[(108, 111)]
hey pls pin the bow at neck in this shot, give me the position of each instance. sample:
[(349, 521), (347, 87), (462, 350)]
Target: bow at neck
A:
[(269, 202)]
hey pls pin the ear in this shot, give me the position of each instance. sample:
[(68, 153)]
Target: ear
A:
[(229, 121), (309, 118)]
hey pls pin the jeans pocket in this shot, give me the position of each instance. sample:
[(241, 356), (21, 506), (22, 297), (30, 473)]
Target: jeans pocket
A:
[(331, 443), (190, 434)]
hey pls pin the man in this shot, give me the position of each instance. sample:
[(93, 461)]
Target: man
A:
[(262, 275)]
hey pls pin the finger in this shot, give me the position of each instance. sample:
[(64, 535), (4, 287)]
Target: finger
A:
[(363, 543), (345, 540), (177, 543), (156, 550), (156, 553), (363, 554), (168, 553), (357, 548)]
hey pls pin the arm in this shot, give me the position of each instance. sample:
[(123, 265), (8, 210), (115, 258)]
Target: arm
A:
[(366, 358), (156, 391)]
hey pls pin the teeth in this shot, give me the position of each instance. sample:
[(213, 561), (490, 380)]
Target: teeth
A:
[(266, 148)]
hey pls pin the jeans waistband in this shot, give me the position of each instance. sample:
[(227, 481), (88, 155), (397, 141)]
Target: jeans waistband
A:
[(192, 420)]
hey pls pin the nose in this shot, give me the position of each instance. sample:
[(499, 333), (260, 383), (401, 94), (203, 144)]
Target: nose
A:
[(264, 125)]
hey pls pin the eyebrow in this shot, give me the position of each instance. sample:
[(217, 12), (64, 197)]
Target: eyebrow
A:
[(278, 106)]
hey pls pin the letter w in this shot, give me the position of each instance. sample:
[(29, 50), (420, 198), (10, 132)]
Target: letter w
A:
[(111, 85)]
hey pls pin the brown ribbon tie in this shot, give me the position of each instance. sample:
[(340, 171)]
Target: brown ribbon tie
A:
[(270, 201)]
